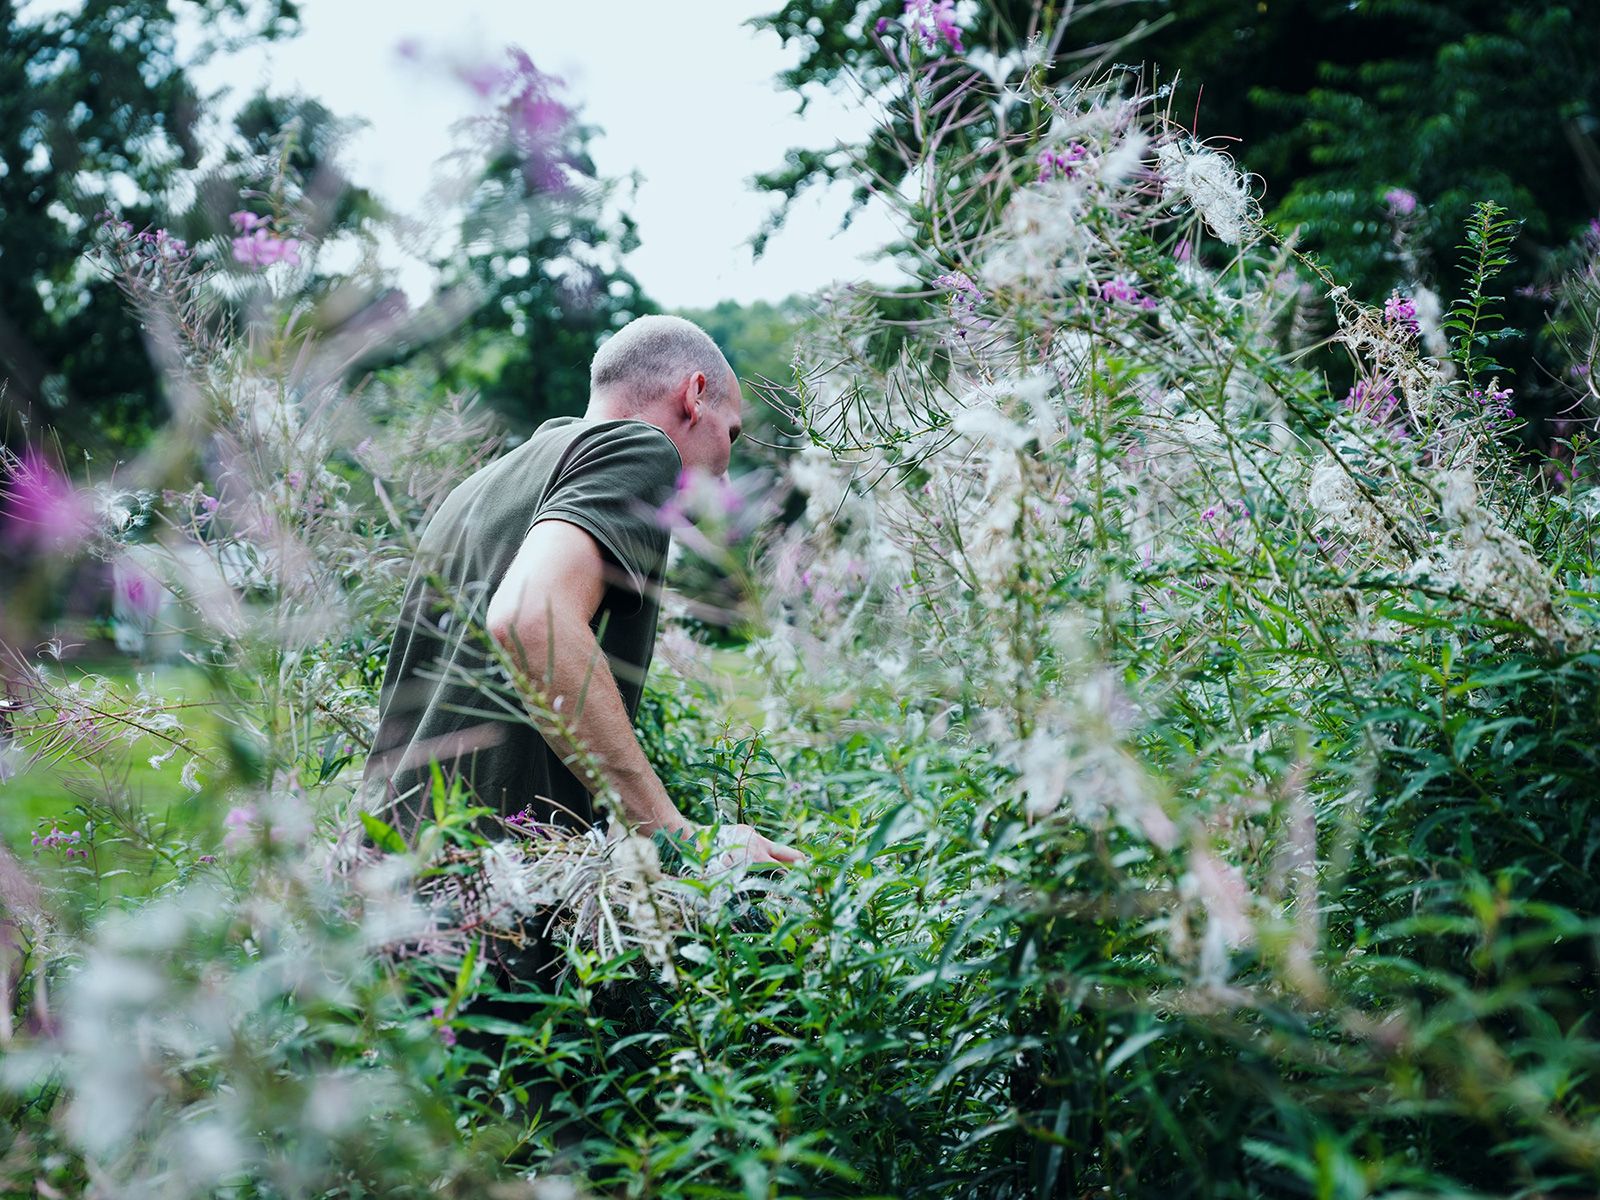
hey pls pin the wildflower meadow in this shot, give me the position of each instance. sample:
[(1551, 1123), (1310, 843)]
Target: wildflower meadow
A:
[(1180, 672)]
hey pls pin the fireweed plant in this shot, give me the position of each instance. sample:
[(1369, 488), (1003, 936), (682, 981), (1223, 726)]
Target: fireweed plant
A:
[(1195, 756)]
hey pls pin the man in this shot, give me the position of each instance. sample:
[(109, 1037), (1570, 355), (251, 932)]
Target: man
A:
[(554, 551)]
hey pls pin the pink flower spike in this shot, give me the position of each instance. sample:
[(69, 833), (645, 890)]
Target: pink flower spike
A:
[(1399, 310), (42, 507), (933, 22), (1119, 291), (1401, 202), (246, 221), (254, 250)]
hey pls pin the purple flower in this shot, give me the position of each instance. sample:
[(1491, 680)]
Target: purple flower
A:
[(43, 509), (58, 839), (965, 297), (961, 287), (1061, 162), (208, 859), (534, 121), (1399, 310), (1120, 291), (258, 249), (262, 249), (157, 245), (246, 221), (484, 78), (136, 589), (883, 24), (1376, 400), (933, 22), (1401, 202), (447, 1035), (241, 826), (1497, 402)]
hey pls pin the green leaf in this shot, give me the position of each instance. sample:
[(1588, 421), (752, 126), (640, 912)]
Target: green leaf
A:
[(382, 835), (439, 792), (1132, 1046), (464, 975)]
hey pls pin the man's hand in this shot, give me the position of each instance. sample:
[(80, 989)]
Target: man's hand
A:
[(735, 845), (746, 846)]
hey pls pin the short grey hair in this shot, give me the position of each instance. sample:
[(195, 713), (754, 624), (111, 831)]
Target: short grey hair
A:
[(650, 354)]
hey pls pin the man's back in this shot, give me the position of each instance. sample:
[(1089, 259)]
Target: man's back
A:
[(444, 698)]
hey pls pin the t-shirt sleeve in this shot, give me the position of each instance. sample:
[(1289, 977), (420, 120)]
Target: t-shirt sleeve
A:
[(612, 484)]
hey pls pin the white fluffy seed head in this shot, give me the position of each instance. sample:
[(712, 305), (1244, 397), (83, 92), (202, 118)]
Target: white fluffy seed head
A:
[(1207, 181)]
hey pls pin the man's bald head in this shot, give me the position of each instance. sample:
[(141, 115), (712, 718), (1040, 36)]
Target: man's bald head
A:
[(650, 357)]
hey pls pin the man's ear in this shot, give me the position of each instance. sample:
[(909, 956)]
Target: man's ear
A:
[(694, 396)]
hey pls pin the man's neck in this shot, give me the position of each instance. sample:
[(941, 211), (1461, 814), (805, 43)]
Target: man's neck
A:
[(607, 408)]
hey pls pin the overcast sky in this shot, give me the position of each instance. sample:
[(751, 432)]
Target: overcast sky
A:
[(686, 94)]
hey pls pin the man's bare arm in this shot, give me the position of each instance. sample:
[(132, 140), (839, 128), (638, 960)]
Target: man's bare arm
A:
[(540, 614)]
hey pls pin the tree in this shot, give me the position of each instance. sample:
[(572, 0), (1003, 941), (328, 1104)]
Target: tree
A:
[(95, 112), (1456, 101), (1333, 104), (544, 245)]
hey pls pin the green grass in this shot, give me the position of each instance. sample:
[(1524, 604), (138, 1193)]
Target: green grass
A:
[(48, 792)]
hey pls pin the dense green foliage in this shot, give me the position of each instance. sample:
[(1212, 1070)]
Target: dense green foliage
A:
[(1336, 104), (97, 113)]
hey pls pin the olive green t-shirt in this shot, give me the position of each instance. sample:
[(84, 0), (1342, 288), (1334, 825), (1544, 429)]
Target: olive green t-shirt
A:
[(445, 699)]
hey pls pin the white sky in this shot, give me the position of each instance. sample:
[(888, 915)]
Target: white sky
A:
[(686, 95)]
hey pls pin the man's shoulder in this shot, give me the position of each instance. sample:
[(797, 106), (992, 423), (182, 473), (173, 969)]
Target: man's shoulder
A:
[(627, 429), (563, 446), (619, 439)]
